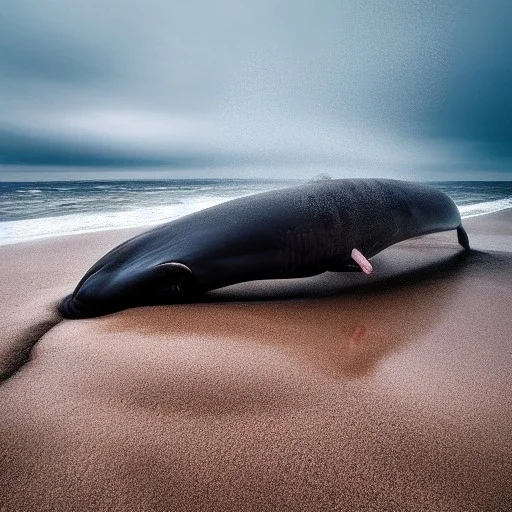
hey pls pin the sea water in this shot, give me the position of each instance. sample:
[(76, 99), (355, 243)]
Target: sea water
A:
[(34, 210)]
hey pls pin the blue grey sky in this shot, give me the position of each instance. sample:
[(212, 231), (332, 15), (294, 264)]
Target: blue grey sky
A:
[(268, 88)]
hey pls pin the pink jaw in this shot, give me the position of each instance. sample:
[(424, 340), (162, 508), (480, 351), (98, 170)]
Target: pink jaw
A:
[(365, 265)]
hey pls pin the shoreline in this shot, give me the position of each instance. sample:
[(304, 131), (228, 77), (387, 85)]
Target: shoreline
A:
[(336, 392)]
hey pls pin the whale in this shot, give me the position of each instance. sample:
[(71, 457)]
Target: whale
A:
[(332, 225)]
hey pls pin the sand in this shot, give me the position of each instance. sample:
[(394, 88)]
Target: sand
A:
[(338, 392)]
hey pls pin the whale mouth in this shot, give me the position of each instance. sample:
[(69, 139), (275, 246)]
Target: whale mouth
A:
[(72, 308)]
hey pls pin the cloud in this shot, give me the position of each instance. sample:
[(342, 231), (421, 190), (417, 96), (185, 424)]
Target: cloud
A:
[(360, 85)]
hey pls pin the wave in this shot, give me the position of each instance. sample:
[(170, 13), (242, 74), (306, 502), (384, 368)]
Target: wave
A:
[(474, 210), (18, 231)]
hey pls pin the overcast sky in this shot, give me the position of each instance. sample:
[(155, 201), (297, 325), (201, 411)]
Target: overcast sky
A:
[(291, 88)]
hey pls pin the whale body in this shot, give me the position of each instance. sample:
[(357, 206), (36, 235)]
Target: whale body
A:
[(288, 233)]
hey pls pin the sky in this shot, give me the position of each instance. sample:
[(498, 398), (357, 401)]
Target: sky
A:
[(256, 88)]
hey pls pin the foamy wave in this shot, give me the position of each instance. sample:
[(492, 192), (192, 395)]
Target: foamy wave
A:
[(473, 210), (17, 231)]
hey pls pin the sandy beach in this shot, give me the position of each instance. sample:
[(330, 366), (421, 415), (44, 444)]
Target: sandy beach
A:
[(338, 392)]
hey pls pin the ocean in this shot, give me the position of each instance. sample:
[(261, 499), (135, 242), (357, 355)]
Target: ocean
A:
[(35, 210)]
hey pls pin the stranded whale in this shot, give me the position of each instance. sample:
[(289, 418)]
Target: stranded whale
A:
[(328, 225)]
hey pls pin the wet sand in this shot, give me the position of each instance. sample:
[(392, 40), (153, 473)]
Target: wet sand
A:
[(338, 392)]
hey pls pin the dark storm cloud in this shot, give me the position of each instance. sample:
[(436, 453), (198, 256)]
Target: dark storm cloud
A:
[(475, 99), (25, 149), (22, 149), (365, 86)]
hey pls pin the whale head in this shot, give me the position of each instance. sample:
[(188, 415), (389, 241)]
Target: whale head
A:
[(127, 277)]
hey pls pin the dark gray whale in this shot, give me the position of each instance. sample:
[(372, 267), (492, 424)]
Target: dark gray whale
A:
[(288, 233)]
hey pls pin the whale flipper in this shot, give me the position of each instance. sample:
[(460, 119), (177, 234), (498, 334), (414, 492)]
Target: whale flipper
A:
[(462, 237), (176, 276)]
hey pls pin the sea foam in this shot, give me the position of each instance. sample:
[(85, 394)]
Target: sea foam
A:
[(473, 210), (17, 231)]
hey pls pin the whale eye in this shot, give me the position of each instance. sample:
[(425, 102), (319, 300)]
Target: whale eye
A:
[(175, 277)]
